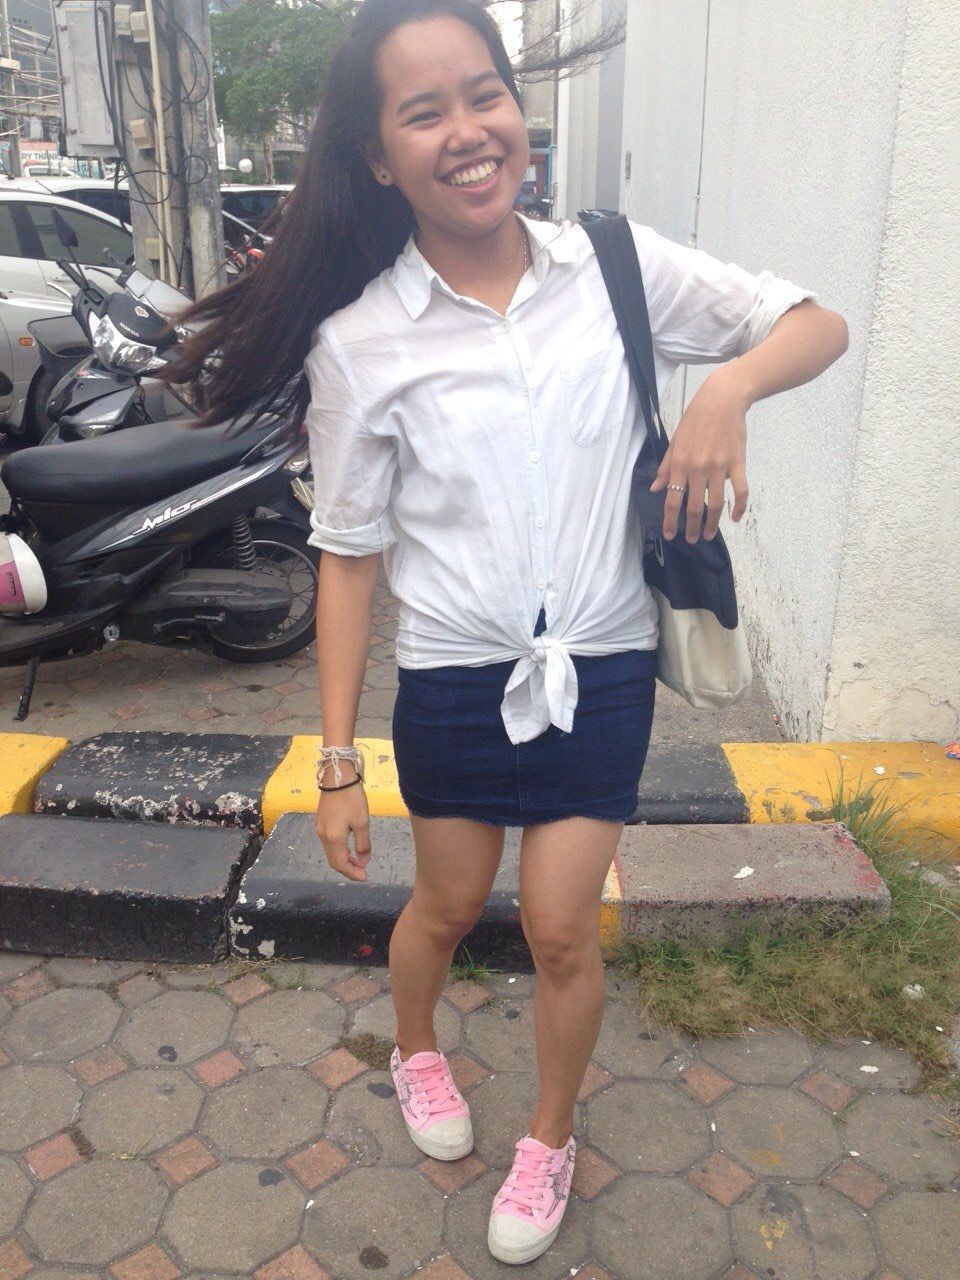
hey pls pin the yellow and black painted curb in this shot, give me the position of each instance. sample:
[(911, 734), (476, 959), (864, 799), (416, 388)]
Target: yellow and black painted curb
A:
[(250, 782), (731, 782)]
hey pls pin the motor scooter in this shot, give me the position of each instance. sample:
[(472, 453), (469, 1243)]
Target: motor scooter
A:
[(146, 535)]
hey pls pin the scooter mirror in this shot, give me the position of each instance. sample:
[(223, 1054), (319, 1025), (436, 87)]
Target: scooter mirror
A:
[(65, 233)]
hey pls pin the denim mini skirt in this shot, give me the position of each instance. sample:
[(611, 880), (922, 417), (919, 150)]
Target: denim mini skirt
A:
[(455, 760)]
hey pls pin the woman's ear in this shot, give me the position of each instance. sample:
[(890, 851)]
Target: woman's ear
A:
[(378, 165)]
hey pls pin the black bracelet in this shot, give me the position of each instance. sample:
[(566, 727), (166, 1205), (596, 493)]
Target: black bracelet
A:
[(342, 786)]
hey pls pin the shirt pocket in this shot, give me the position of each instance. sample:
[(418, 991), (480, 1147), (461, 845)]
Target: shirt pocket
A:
[(586, 381)]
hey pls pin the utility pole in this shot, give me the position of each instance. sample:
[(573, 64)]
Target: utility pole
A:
[(201, 168), (9, 88), (165, 91)]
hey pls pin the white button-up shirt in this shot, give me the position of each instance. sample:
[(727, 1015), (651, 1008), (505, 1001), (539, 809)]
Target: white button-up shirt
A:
[(489, 457)]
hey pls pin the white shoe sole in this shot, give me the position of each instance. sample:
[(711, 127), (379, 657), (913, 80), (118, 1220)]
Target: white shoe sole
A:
[(521, 1253), (441, 1151)]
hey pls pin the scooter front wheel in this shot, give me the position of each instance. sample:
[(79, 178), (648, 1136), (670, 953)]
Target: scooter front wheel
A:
[(280, 546)]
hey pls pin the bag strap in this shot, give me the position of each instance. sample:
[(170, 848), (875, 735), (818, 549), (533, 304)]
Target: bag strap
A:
[(617, 257)]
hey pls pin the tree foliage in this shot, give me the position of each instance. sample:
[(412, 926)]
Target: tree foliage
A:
[(271, 56), (270, 61)]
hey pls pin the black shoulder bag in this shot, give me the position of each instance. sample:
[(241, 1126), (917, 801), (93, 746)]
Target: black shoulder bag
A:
[(702, 653)]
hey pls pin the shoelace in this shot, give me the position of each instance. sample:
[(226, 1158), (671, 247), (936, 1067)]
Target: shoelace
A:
[(526, 1182), (436, 1087)]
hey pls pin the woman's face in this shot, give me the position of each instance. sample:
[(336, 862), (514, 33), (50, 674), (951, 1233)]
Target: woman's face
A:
[(452, 137)]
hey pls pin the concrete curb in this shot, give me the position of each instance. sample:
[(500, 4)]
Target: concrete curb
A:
[(259, 783)]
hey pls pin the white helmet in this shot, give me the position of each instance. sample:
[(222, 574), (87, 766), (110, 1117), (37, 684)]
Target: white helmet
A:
[(22, 585)]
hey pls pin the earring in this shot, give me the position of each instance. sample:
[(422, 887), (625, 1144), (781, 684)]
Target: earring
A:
[(384, 175)]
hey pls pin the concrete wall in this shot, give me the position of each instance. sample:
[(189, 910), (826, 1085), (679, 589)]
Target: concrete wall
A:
[(813, 140), (895, 661)]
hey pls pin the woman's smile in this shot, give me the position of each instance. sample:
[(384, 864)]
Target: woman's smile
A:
[(479, 176)]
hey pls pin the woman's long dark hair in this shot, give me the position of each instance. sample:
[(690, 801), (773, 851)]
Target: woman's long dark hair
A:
[(339, 229)]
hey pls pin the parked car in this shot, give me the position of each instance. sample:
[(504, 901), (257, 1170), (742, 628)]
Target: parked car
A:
[(253, 204), (24, 385), (244, 207), (33, 287)]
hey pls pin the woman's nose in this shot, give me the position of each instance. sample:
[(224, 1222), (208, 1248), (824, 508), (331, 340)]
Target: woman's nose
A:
[(466, 134)]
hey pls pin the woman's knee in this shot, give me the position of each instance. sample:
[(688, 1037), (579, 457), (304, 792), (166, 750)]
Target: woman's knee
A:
[(561, 947), (446, 922)]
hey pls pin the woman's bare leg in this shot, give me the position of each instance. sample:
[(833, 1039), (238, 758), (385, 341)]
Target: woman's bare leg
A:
[(457, 861), (563, 866)]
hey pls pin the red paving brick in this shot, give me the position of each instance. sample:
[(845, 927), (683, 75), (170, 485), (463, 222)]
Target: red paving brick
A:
[(292, 1264), (858, 1183), (185, 1160), (151, 1263), (451, 1175), (242, 990), (721, 1178), (466, 1071), (317, 1164), (829, 1090), (443, 1268), (704, 1083), (28, 986), (14, 1263), (49, 1158), (594, 1078), (217, 1069), (357, 987), (591, 1173), (100, 1064), (336, 1068), (466, 995)]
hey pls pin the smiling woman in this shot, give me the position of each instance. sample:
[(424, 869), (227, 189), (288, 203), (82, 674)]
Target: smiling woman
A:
[(392, 88), (470, 416)]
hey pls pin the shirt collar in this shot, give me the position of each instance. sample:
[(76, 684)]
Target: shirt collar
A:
[(414, 279)]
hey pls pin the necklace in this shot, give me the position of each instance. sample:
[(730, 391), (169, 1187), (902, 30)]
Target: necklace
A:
[(526, 253)]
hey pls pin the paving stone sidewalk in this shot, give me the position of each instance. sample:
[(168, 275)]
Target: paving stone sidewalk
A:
[(162, 1121)]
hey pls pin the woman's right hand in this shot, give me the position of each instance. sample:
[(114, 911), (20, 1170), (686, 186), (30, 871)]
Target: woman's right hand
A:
[(339, 813)]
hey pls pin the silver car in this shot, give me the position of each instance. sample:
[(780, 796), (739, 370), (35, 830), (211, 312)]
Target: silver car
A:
[(32, 287)]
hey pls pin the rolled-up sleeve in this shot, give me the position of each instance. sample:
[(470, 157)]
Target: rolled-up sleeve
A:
[(703, 310), (353, 469)]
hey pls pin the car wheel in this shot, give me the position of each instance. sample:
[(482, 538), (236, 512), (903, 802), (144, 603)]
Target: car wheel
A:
[(37, 422)]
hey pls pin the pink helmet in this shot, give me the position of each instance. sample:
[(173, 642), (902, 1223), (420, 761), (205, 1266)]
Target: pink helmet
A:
[(22, 585)]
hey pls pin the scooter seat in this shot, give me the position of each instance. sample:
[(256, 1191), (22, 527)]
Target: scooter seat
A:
[(134, 465)]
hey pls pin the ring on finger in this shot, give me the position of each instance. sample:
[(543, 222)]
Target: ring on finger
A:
[(681, 488)]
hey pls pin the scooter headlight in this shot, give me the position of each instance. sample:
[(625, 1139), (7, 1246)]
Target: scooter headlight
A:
[(122, 353)]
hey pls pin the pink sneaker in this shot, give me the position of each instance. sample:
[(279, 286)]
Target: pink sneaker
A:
[(527, 1209), (434, 1110)]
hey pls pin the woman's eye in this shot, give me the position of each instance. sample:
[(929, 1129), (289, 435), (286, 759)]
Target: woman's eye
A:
[(425, 115), (487, 97)]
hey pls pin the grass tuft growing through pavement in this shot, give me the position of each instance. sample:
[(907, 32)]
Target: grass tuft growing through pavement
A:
[(822, 979)]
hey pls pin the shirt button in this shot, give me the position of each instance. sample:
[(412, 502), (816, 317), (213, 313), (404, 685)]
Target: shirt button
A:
[(534, 455), (524, 391), (540, 522), (506, 326), (541, 583)]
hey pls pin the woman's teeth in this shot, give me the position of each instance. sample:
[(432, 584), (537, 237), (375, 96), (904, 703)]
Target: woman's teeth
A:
[(466, 177)]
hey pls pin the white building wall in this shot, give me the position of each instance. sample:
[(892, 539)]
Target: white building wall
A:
[(802, 124), (895, 662)]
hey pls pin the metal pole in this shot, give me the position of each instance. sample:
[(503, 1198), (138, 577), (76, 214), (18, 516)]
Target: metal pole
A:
[(204, 208), (9, 83)]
